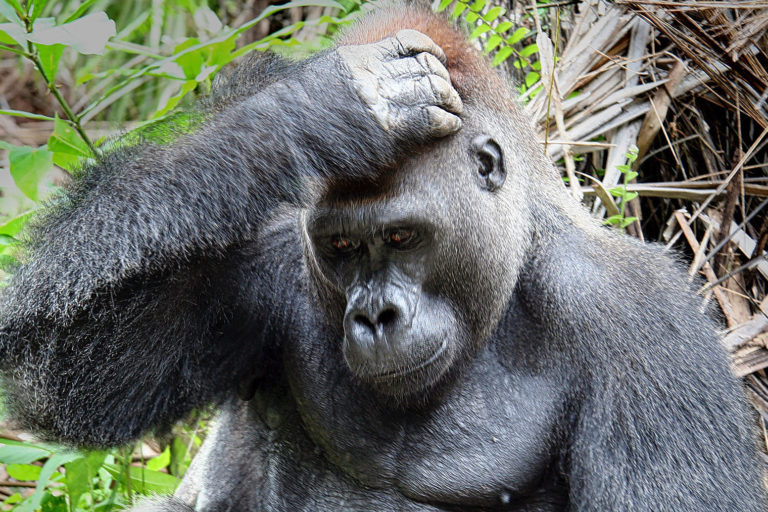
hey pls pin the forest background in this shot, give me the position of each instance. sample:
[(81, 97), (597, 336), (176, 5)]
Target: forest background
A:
[(655, 111)]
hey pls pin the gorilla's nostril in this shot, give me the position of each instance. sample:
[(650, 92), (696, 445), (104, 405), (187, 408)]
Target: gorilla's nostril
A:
[(362, 321), (386, 317)]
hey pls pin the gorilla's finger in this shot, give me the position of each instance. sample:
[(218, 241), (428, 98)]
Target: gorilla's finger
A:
[(445, 95), (421, 65), (432, 65), (421, 91), (440, 122), (410, 42)]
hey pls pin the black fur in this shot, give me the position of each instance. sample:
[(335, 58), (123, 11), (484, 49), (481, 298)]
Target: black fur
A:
[(173, 275)]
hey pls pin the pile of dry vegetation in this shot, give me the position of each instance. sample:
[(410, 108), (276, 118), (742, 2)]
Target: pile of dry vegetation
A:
[(687, 83)]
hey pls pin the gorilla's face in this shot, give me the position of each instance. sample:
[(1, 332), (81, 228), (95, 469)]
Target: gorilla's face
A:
[(420, 267)]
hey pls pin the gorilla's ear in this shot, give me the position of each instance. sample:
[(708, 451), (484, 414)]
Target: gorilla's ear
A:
[(491, 159)]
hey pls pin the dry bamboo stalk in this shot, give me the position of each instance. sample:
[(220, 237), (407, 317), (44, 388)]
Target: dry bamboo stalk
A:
[(626, 135)]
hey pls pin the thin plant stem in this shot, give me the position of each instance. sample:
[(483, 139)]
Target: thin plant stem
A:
[(50, 83)]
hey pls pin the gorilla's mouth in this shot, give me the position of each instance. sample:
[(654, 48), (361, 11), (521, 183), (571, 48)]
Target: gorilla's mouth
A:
[(410, 370)]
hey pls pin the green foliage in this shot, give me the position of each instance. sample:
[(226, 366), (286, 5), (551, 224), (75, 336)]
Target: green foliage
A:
[(498, 37), (72, 480), (117, 60), (621, 193), (112, 50)]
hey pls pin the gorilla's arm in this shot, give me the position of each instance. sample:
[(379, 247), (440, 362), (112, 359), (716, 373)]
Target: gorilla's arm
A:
[(647, 374), (131, 309)]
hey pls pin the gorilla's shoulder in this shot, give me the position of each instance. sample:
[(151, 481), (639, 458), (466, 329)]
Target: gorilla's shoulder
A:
[(609, 286), (575, 263)]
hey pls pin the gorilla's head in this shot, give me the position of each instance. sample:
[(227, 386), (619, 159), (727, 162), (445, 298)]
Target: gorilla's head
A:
[(419, 266)]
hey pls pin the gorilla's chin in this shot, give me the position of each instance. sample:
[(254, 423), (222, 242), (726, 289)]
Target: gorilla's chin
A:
[(412, 376)]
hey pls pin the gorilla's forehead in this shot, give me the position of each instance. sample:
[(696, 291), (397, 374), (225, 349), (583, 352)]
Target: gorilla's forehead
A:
[(422, 182), (422, 207)]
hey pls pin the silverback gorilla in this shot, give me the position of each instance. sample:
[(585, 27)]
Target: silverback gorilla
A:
[(367, 262)]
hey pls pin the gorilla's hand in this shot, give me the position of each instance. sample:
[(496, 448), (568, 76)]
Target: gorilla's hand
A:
[(403, 81)]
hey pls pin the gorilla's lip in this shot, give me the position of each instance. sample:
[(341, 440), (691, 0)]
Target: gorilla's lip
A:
[(432, 359)]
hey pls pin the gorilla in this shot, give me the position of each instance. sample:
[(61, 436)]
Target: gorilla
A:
[(366, 261)]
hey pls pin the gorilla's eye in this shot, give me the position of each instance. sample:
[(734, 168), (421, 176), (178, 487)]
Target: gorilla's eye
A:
[(400, 238), (343, 244)]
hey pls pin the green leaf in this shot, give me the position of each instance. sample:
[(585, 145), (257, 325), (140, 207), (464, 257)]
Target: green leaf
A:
[(471, 17), (28, 115), (477, 5), (630, 196), (502, 55), (629, 176), (28, 166), (503, 27), (21, 454), (493, 41), (12, 499), (10, 9), (458, 9), (50, 466), (221, 53), (623, 168), (87, 35), (54, 503), (145, 480), (531, 78), (12, 33), (617, 191), (12, 228), (7, 40), (50, 55), (161, 461), (191, 63), (627, 221), (521, 63), (68, 148), (24, 472), (444, 5), (493, 13), (65, 139), (180, 457), (175, 99), (518, 35), (35, 8), (480, 30), (80, 10), (614, 219), (529, 50), (80, 473)]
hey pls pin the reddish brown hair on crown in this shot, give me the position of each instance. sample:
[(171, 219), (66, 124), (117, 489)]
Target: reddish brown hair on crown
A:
[(471, 74)]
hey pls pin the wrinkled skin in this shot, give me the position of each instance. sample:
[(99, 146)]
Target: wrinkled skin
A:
[(387, 290)]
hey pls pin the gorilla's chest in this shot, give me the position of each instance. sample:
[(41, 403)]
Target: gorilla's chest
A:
[(488, 439)]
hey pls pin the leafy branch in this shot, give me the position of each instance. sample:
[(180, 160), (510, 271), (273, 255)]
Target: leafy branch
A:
[(497, 35), (621, 192)]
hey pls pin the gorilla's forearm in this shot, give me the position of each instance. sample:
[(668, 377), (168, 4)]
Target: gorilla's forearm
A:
[(147, 208), (137, 264)]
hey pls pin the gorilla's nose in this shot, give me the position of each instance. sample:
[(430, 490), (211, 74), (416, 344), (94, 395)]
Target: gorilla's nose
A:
[(375, 332), (377, 324)]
